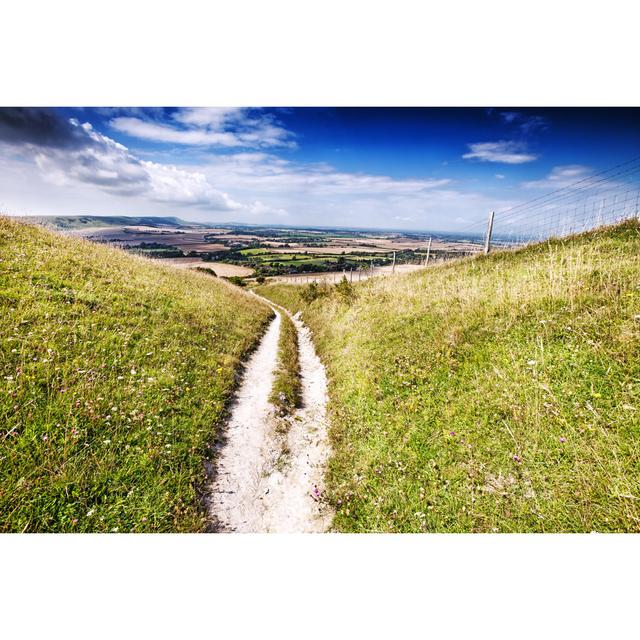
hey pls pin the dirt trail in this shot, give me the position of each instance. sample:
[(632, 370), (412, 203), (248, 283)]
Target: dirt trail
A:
[(270, 470)]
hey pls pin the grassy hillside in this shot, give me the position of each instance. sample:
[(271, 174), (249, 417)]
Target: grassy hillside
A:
[(500, 393), (114, 372)]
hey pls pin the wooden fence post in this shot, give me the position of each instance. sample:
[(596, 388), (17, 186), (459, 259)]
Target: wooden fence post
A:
[(426, 260), (393, 266), (487, 244)]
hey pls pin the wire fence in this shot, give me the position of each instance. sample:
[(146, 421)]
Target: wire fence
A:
[(603, 198)]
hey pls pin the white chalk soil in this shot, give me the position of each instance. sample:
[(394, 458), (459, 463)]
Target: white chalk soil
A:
[(269, 470)]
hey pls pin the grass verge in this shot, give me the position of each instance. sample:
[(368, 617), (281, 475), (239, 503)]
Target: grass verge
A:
[(114, 372), (500, 393), (286, 391)]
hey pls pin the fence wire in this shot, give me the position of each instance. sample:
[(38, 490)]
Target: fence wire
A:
[(603, 198)]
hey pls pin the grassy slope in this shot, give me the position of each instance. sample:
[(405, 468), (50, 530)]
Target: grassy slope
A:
[(496, 394), (113, 374)]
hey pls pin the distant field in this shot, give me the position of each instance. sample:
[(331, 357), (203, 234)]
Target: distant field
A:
[(227, 270), (261, 251), (114, 374), (333, 249), (500, 393), (352, 276)]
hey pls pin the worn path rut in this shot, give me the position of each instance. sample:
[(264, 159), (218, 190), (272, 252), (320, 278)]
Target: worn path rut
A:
[(269, 470)]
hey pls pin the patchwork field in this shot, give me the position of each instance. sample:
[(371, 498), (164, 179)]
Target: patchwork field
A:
[(264, 251)]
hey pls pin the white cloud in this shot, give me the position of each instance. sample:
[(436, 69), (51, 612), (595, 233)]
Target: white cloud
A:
[(261, 209), (138, 128), (109, 166), (499, 176), (170, 184), (213, 117), (319, 194), (506, 151), (559, 177), (269, 173), (221, 127)]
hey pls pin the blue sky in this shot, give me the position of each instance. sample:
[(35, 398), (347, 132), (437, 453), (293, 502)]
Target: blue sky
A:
[(414, 168)]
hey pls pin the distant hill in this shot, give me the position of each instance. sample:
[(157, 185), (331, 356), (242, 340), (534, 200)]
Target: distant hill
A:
[(498, 393), (71, 223), (114, 374)]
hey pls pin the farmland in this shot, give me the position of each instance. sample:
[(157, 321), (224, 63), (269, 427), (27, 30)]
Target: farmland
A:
[(264, 251)]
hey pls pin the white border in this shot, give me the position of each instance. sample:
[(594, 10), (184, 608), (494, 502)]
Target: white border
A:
[(338, 52), (290, 53)]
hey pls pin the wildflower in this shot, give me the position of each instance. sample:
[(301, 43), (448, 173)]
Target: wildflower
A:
[(452, 433), (74, 521), (517, 459), (563, 439), (90, 512), (45, 437), (531, 363), (107, 441)]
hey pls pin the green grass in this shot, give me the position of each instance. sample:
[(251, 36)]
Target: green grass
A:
[(114, 373), (498, 393), (253, 252), (286, 390)]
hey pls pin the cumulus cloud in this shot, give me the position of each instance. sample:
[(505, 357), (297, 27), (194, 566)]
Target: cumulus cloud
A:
[(561, 176), (173, 185), (221, 127), (505, 151), (68, 152)]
